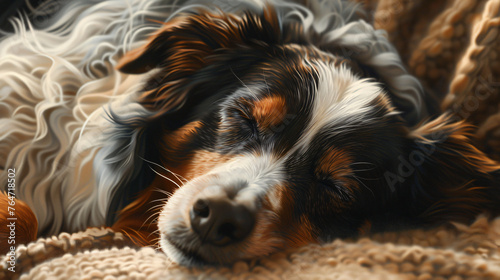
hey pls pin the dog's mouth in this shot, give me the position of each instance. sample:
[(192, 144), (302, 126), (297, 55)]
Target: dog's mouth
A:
[(181, 244), (186, 256), (185, 247)]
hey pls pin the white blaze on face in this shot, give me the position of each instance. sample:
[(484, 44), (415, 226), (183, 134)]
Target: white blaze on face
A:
[(249, 178), (255, 174), (341, 100)]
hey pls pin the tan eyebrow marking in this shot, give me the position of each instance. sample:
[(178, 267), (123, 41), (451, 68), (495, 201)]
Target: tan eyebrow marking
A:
[(269, 111), (175, 138), (336, 163)]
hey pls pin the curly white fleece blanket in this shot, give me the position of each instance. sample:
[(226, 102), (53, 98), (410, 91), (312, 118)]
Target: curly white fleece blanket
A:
[(454, 252)]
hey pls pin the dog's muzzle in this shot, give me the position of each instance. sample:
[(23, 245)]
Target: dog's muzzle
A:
[(220, 220), (225, 214)]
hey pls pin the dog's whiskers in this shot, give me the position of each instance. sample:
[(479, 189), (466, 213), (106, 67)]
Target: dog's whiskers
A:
[(167, 193), (361, 182), (155, 207), (154, 232), (165, 177), (363, 163), (155, 213), (177, 176), (154, 216)]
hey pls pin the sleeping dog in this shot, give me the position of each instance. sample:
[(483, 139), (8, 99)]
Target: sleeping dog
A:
[(267, 128)]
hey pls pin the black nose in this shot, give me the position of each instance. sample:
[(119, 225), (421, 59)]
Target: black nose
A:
[(220, 220)]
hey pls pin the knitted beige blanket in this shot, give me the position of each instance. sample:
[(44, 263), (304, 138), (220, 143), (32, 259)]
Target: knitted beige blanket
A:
[(452, 46), (450, 252)]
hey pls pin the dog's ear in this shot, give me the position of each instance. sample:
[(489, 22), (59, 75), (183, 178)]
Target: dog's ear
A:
[(187, 40), (182, 34), (443, 176), (187, 50)]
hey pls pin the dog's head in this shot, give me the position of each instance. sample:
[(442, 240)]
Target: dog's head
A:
[(280, 142)]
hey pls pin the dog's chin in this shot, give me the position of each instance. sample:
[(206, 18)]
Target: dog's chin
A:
[(190, 251), (180, 255), (181, 244)]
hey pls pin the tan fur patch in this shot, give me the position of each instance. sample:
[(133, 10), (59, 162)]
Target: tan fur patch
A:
[(296, 232), (335, 163), (302, 233), (202, 162), (269, 112), (175, 138)]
